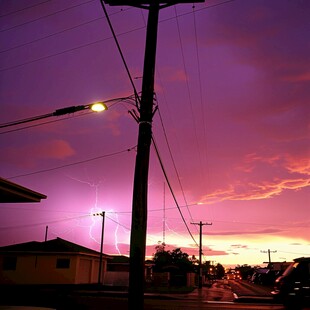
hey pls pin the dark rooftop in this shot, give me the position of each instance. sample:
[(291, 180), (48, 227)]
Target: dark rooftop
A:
[(51, 246), (13, 193)]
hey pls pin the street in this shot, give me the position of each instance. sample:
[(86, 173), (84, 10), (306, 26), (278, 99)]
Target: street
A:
[(222, 294), (107, 303)]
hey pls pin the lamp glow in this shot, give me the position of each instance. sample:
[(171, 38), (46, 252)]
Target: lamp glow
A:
[(98, 107)]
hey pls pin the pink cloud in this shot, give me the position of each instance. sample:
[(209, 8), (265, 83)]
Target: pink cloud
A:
[(57, 149), (239, 246), (53, 149), (298, 77), (245, 232), (173, 75), (189, 250)]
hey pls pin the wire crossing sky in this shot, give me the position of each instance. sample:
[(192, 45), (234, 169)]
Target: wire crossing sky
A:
[(231, 130)]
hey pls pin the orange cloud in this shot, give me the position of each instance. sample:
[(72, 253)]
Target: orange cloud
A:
[(254, 191), (299, 165), (293, 163)]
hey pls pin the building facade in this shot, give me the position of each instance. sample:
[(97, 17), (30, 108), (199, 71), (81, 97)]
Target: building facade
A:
[(55, 261)]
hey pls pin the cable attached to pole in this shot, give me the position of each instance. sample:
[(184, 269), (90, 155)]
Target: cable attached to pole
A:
[(121, 53)]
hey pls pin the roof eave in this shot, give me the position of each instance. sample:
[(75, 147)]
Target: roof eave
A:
[(14, 193)]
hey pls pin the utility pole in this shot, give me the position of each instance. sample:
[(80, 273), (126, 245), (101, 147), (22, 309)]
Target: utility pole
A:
[(200, 251), (164, 217), (101, 246), (269, 257), (46, 230), (139, 200)]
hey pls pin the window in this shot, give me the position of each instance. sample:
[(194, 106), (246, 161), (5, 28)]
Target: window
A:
[(63, 263), (9, 263)]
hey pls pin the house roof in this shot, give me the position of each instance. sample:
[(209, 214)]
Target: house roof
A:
[(11, 192), (119, 259), (57, 245)]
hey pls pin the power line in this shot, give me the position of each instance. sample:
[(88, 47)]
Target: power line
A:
[(188, 91), (120, 51), (65, 220), (205, 163), (44, 123), (61, 112), (97, 41), (42, 17), (294, 253), (73, 164), (48, 222), (24, 9), (59, 32), (269, 256), (174, 165), (171, 190)]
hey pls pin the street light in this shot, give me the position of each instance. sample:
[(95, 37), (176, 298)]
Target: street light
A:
[(96, 107), (101, 245)]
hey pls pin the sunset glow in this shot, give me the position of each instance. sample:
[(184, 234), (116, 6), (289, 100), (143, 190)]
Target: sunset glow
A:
[(232, 126)]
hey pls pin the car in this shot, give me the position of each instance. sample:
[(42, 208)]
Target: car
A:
[(292, 288)]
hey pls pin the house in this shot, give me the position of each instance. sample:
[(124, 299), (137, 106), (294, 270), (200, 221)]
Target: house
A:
[(117, 273), (278, 266), (54, 261)]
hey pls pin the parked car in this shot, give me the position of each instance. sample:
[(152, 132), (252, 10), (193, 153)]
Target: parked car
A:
[(293, 287)]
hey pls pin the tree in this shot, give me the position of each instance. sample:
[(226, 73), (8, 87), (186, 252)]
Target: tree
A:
[(174, 258), (245, 271), (161, 257), (220, 271), (181, 260)]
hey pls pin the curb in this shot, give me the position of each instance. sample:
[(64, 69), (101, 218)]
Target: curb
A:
[(253, 299)]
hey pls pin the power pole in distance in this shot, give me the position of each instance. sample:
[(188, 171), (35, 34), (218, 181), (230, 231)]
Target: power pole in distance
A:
[(101, 246), (200, 251), (269, 257)]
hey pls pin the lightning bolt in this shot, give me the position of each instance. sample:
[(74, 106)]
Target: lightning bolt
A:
[(94, 210), (96, 220), (116, 236)]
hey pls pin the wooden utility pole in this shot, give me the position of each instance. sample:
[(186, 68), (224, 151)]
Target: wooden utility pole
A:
[(139, 200), (269, 257), (200, 251), (46, 230), (101, 247)]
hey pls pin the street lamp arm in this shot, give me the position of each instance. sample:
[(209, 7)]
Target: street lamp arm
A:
[(70, 110), (96, 107), (58, 112)]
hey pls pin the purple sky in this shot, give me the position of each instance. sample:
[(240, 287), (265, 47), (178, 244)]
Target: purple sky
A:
[(232, 87)]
